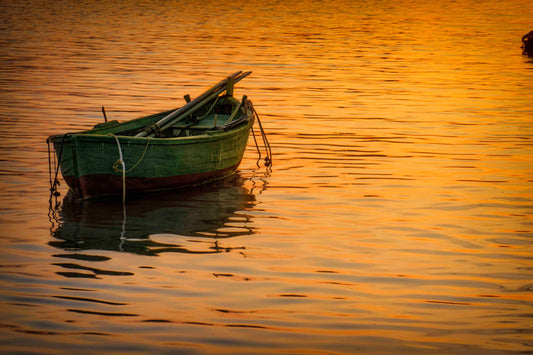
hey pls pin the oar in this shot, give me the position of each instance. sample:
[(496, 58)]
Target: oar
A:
[(205, 99), (200, 104), (189, 105)]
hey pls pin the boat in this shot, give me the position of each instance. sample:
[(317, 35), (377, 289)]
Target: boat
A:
[(200, 142)]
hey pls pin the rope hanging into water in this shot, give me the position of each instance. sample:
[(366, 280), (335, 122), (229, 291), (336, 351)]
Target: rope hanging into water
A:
[(266, 144), (124, 171), (116, 165), (121, 161), (50, 165), (119, 166), (54, 183)]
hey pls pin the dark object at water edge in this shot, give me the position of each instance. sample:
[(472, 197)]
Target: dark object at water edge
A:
[(527, 44)]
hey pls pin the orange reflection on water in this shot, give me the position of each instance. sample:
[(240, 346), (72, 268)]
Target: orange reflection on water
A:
[(396, 216)]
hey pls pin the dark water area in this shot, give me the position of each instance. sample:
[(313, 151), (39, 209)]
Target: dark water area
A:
[(396, 218)]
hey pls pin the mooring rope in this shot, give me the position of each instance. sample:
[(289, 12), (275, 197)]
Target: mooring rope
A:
[(50, 163), (121, 161), (266, 144), (256, 144), (56, 164), (116, 165)]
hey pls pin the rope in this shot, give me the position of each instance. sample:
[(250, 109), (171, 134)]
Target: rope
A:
[(116, 165), (50, 164), (256, 144), (55, 182), (266, 144), (53, 187), (210, 109), (118, 169), (121, 161)]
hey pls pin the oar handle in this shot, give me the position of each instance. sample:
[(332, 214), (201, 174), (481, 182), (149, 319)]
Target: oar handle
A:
[(185, 114), (189, 105), (192, 106)]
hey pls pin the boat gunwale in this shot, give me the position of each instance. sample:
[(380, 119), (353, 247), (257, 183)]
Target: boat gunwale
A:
[(209, 136), (100, 131)]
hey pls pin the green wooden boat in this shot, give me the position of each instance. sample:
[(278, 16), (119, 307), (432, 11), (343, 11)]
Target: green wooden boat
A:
[(198, 143)]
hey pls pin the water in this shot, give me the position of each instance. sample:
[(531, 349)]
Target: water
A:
[(396, 217)]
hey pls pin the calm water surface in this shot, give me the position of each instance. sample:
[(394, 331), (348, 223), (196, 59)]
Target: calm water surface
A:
[(397, 217)]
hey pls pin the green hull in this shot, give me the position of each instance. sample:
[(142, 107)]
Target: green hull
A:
[(207, 149)]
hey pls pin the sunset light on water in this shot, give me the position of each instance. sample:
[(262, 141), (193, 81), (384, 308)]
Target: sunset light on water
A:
[(395, 218)]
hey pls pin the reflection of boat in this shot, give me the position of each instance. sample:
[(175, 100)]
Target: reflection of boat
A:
[(200, 142), (154, 222)]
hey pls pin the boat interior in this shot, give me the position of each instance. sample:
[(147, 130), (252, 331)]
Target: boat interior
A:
[(222, 113)]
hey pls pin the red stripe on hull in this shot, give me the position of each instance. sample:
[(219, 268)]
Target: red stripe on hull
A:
[(98, 185)]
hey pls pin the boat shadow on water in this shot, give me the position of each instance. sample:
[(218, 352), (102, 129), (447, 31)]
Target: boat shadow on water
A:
[(183, 221)]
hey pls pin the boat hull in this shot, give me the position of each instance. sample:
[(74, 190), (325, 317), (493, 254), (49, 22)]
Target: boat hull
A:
[(99, 185), (90, 163)]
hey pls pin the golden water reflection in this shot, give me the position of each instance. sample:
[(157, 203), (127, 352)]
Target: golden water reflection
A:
[(159, 222), (397, 216)]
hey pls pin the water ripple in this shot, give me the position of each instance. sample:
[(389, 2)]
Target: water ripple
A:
[(395, 218)]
